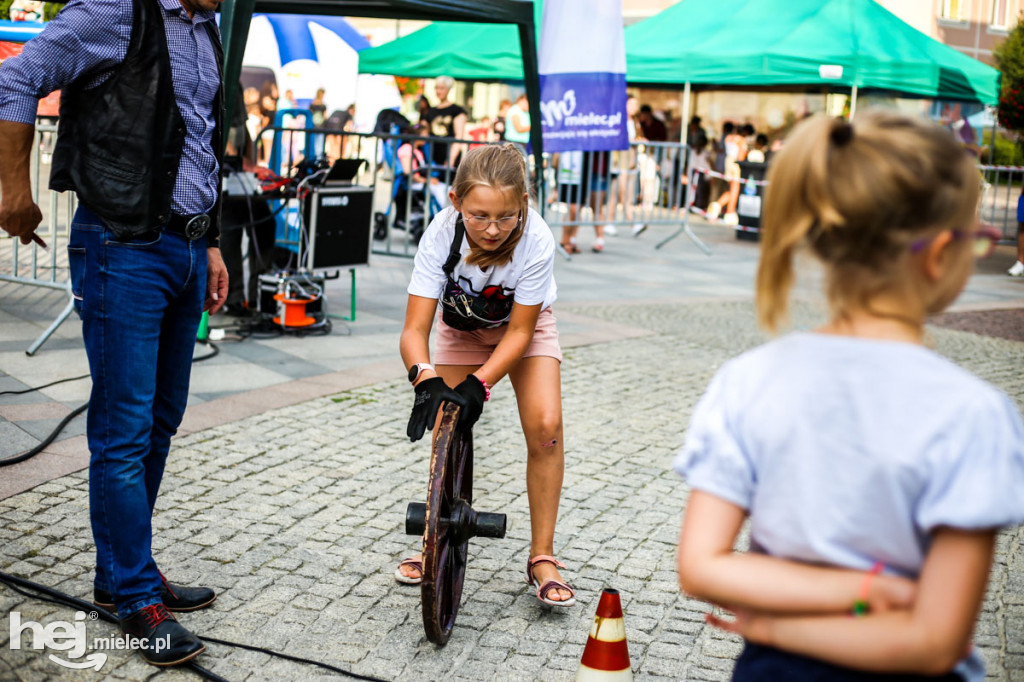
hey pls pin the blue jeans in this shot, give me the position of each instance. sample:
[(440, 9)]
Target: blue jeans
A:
[(140, 301)]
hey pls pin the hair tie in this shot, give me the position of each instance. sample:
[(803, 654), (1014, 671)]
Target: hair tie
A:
[(842, 133)]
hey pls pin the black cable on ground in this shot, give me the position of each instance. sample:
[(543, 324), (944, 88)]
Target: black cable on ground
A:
[(214, 351), (39, 388), (20, 585), (49, 439)]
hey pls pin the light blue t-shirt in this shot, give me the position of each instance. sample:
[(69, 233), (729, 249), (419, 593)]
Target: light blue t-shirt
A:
[(848, 451)]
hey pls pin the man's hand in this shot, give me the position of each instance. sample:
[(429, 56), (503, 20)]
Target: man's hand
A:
[(19, 215), (216, 281)]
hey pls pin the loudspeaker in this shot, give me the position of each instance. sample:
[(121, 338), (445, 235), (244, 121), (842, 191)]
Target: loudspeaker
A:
[(339, 226)]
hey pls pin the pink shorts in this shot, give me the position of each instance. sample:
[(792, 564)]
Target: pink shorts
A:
[(474, 348)]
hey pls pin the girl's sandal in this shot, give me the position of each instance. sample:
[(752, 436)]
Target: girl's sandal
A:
[(544, 590), (409, 580)]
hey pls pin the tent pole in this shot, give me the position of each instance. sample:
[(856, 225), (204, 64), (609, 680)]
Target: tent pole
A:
[(853, 102), (531, 79), (686, 113), (236, 15)]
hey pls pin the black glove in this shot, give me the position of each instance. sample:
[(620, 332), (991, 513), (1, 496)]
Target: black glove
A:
[(474, 394), (430, 393)]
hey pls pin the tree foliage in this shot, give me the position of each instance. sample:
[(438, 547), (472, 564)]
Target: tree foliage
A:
[(50, 9), (1009, 58)]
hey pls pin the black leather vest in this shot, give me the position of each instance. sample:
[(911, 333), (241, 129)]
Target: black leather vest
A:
[(119, 144)]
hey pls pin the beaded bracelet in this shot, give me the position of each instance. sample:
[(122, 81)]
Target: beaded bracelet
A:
[(860, 606)]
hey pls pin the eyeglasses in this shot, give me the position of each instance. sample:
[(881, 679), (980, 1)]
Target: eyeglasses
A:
[(984, 240), (481, 222)]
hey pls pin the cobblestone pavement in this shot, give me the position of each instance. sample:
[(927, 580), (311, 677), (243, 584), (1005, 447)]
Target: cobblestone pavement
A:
[(296, 517)]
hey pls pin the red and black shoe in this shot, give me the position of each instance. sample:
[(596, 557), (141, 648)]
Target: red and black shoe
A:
[(175, 597), (159, 638)]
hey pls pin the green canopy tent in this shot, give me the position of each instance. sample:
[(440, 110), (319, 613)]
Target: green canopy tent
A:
[(839, 44), (236, 15), (460, 50)]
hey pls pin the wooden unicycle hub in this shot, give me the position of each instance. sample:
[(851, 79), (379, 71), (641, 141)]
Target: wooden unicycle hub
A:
[(447, 521)]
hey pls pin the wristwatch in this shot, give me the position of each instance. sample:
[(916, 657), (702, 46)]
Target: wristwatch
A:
[(417, 369)]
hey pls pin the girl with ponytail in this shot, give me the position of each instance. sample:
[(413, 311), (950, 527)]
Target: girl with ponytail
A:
[(485, 270), (874, 473)]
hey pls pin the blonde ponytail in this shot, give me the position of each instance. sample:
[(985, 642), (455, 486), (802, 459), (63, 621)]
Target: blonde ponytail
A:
[(857, 195)]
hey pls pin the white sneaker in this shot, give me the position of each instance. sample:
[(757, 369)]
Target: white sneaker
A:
[(610, 230), (714, 210), (639, 228), (1017, 270), (731, 219)]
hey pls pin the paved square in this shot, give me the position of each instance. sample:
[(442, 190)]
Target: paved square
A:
[(296, 517)]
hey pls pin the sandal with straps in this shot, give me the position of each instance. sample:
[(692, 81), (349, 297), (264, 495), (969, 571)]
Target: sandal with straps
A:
[(544, 590), (406, 579)]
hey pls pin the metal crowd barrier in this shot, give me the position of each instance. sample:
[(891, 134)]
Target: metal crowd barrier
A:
[(646, 184), (402, 206), (31, 264), (1002, 186)]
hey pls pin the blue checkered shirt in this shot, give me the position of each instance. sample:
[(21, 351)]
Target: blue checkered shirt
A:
[(89, 39)]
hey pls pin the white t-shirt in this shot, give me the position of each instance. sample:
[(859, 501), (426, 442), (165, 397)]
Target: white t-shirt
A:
[(530, 274), (849, 451)]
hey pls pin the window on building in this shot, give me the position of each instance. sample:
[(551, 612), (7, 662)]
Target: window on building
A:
[(1000, 13), (955, 10)]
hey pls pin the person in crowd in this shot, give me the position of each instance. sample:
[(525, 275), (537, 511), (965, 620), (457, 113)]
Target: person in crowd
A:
[(569, 174), (700, 163), (480, 132), (517, 123), (254, 118), (624, 173), (583, 183), (488, 259), (653, 128), (446, 119), (287, 101), (734, 151), (759, 151), (422, 107), (499, 120), (1017, 269), (339, 146), (412, 160), (318, 108), (874, 472), (140, 143)]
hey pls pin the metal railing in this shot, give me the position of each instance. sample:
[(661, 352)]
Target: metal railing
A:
[(1001, 188), (31, 264), (403, 202), (644, 185)]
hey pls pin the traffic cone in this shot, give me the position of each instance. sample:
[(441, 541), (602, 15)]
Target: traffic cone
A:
[(606, 656)]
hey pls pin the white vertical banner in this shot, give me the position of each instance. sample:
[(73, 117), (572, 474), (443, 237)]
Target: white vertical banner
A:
[(583, 76)]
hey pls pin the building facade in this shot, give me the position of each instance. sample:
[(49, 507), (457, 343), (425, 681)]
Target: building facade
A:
[(974, 27)]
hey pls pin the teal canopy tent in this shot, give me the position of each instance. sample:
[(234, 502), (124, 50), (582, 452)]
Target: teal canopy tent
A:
[(457, 49), (846, 44)]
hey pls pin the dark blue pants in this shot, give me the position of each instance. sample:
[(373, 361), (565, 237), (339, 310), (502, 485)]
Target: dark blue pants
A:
[(765, 664), (140, 301)]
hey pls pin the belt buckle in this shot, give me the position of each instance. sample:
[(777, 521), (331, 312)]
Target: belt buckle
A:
[(197, 227)]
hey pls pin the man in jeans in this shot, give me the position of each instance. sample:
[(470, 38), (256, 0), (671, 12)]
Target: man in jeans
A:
[(140, 143)]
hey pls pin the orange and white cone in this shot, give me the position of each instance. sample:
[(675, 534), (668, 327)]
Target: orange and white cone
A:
[(606, 656)]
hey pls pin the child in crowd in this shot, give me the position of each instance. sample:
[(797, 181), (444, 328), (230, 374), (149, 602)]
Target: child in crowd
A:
[(489, 260), (875, 473)]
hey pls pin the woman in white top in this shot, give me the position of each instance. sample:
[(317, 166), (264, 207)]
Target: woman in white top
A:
[(874, 472), (489, 260)]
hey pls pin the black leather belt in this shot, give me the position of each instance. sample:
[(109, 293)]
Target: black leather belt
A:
[(192, 227)]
